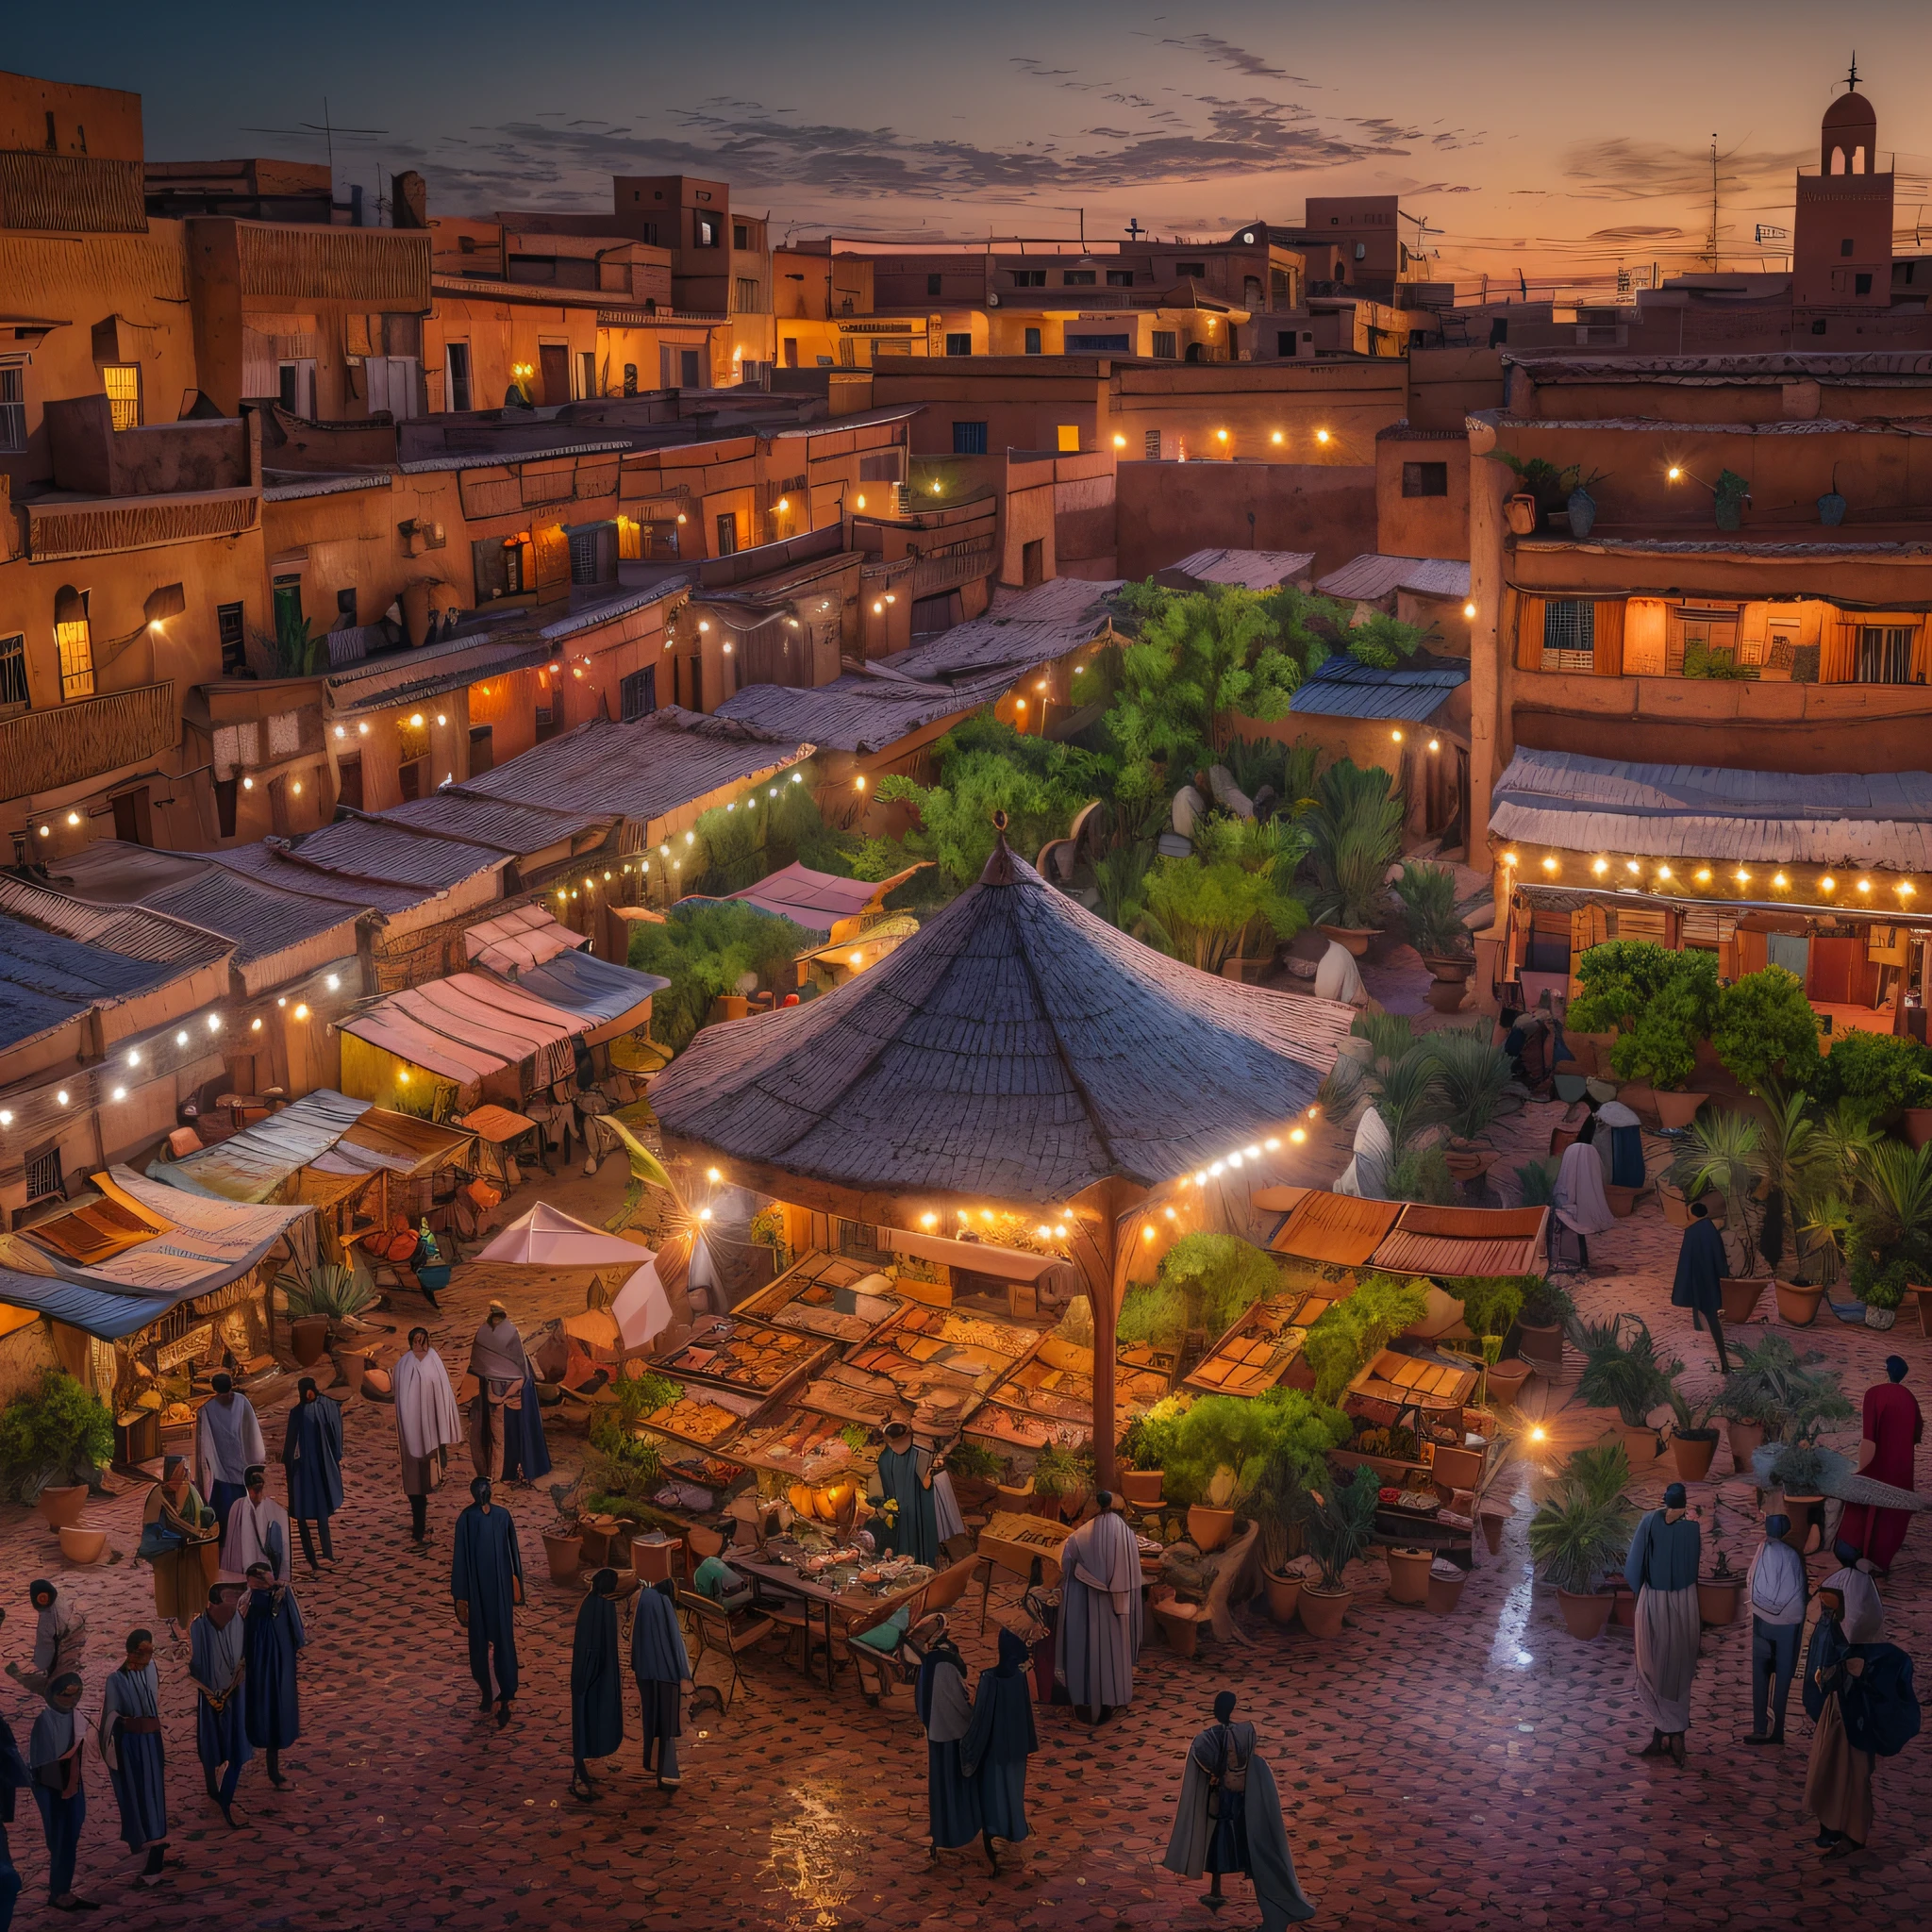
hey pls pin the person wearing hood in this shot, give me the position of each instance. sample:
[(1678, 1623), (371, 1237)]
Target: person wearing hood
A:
[(428, 1426), (596, 1685), (59, 1637), (1579, 1199), (901, 1489), (1662, 1569), (53, 1758), (216, 1642), (1863, 1612), (13, 1776), (227, 1444), (1229, 1818), (1098, 1635), (1859, 1697), (660, 1661), (1892, 1431), (1619, 1140), (939, 1695), (1702, 1267), (1366, 1177), (487, 1584), (258, 1532), (136, 1761), (506, 1430), (176, 1527), (998, 1742), (271, 1702), (1777, 1586), (312, 1459)]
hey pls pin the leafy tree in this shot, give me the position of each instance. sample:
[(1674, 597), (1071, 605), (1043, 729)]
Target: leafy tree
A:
[(1660, 1003), (1874, 1075), (1765, 1033), (1205, 1281), (1355, 832), (1204, 909), (703, 949)]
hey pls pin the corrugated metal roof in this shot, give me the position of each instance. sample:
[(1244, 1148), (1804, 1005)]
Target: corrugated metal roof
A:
[(251, 1165), (1344, 689), (1699, 811), (381, 848), (130, 930), (1253, 570), (1338, 1228), (273, 866), (290, 486), (597, 990), (456, 812), (863, 714), (1370, 577)]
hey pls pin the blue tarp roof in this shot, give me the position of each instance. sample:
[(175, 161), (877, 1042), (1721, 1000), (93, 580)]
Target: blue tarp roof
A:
[(251, 1165), (1344, 689), (45, 978), (598, 990), (95, 1311)]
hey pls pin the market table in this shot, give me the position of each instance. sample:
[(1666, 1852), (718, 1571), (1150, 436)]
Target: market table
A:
[(784, 1579)]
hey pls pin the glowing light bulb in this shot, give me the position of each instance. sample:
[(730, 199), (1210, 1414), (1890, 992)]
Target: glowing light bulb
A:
[(215, 1023), (254, 1025), (6, 1116), (334, 983), (134, 1060), (862, 502), (1549, 865), (1864, 885), (854, 958), (119, 1093), (1147, 1233), (1674, 474), (928, 1221), (62, 1097), (1435, 744), (1509, 859), (1321, 435), (1703, 875), (1539, 1434), (1395, 738), (301, 1012), (1663, 872), (1271, 1145), (1276, 437), (713, 1174), (1602, 866), (1779, 880), (1630, 865), (1742, 877), (1297, 1134), (1469, 610), (181, 1038)]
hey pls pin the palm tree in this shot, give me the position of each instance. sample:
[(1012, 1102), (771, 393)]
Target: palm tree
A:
[(1725, 1150)]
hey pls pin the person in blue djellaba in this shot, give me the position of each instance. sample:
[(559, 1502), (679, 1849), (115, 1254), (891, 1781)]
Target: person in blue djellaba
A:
[(136, 1761), (312, 1456), (1862, 1700)]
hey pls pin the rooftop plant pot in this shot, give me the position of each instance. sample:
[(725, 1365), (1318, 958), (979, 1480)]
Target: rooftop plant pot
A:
[(1140, 1487), (1879, 1318), (1643, 1445), (60, 1508), (1717, 1599), (1678, 1109), (1468, 1163), (1409, 1575), (1746, 1439), (1622, 1201), (1446, 995), (1584, 1612), (1542, 1348), (1520, 513), (1322, 1611), (1917, 1125), (1561, 1138), (82, 1545), (1353, 938), (1493, 1522), (1445, 1588), (1622, 1601), (1692, 1451), (1455, 967), (1283, 1590), (1208, 1527), (1797, 1303), (565, 1554), (1507, 1378), (1740, 1299), (308, 1339)]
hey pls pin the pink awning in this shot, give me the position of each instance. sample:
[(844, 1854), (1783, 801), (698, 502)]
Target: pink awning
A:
[(819, 900), (464, 1026)]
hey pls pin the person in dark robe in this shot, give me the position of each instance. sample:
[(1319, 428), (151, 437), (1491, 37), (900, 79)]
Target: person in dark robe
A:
[(1860, 1698), (525, 1453), (312, 1457), (59, 1637), (217, 1640), (660, 1661), (137, 1760), (939, 1695), (1662, 1569), (14, 1775), (998, 1742), (900, 1486), (54, 1756), (1620, 1139), (597, 1683), (1098, 1635), (1229, 1820), (270, 1702), (1892, 1431), (1702, 1266), (487, 1582)]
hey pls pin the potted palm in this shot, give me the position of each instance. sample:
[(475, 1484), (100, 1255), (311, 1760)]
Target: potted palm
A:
[(1890, 1241), (1427, 893), (1725, 1152), (1066, 1477), (1693, 1441), (1581, 1533), (1341, 1523), (1622, 1370), (1473, 1075), (321, 1300), (1354, 831), (1548, 1312)]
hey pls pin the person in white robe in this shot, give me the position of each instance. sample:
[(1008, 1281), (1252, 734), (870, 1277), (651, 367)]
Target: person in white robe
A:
[(1579, 1195), (1099, 1632), (258, 1532), (500, 1366), (1864, 1617), (1337, 978), (227, 1444), (428, 1426), (1367, 1176)]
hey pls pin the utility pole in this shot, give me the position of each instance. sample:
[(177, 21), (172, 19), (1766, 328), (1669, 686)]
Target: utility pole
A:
[(1710, 245)]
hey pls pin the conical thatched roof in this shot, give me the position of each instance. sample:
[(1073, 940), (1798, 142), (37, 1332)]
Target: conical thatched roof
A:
[(1016, 1049)]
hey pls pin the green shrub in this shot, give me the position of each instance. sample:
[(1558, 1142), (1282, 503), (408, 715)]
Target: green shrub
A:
[(1244, 1435), (1352, 1331), (1207, 1281), (1428, 909), (1341, 1524), (703, 949), (1491, 1303), (61, 1436), (1767, 1034), (1872, 1075), (1355, 829), (1152, 1438), (1660, 1004)]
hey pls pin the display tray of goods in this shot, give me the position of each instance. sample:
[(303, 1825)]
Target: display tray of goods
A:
[(848, 1569), (797, 1441), (1262, 1347), (729, 1352), (1049, 1398), (704, 1417), (827, 1295), (1437, 1385), (937, 1362), (1393, 1450), (1014, 1542)]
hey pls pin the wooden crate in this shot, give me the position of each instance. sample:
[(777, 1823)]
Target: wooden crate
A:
[(1014, 1542)]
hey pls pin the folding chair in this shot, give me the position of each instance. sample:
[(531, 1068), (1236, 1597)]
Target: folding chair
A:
[(716, 1629)]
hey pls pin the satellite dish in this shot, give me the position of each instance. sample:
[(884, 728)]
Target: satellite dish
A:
[(1248, 236), (993, 298)]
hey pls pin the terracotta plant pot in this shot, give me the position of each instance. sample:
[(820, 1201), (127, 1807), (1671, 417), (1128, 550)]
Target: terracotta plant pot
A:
[(1643, 1446), (1354, 939), (1542, 1348), (1798, 1305), (1445, 1588), (1622, 1201), (1584, 1612), (1446, 995), (1694, 1453), (1507, 1378), (1623, 1602), (82, 1545), (1140, 1487), (1678, 1109), (1452, 967), (1283, 1592), (1492, 1523), (566, 1556), (60, 1508), (1746, 1439), (1560, 1139), (1807, 1534), (1520, 513), (1917, 1125), (308, 1339), (1208, 1527), (1409, 1575), (1880, 1318), (1717, 1599), (1322, 1611), (1180, 1625), (1923, 1297), (1740, 1299)]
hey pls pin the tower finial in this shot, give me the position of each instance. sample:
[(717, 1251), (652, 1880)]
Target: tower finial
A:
[(1852, 78)]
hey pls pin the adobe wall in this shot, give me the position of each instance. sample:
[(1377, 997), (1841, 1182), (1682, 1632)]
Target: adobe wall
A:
[(1166, 511)]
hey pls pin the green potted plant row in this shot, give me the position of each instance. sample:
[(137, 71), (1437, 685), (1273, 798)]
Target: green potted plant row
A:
[(1581, 1533), (1659, 1004), (1355, 834), (53, 1443), (1622, 1370)]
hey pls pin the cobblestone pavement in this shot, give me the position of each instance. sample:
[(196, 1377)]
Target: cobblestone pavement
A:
[(1462, 1772)]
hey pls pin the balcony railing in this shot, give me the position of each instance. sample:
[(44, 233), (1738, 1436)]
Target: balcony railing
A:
[(100, 526), (957, 563), (42, 751)]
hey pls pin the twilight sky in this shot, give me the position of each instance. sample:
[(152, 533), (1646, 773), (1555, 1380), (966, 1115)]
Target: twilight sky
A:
[(1558, 140)]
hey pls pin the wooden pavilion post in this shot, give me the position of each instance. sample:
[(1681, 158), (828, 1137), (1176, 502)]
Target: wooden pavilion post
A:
[(1097, 1251)]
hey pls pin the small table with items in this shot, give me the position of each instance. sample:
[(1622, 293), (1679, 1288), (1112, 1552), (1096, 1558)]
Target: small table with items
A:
[(836, 1589)]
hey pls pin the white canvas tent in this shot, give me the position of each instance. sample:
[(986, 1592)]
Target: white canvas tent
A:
[(547, 1237)]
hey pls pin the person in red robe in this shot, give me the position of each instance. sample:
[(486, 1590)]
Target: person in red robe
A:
[(1893, 1429)]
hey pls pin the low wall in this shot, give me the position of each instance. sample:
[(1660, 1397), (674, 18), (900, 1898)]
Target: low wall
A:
[(1164, 512)]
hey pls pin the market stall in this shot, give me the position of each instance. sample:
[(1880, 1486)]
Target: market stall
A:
[(1263, 1347)]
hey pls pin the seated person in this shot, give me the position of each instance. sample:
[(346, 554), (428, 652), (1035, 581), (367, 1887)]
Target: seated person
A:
[(716, 1579)]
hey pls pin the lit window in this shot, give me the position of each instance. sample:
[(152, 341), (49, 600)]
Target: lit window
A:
[(123, 383), (74, 641)]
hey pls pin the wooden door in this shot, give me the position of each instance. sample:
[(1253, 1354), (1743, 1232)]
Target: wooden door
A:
[(553, 363), (1838, 970)]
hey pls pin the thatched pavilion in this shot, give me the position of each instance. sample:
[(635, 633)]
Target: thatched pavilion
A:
[(1020, 1054)]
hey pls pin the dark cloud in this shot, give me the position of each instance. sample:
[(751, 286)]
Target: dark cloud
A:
[(1635, 235), (1617, 168), (1225, 54)]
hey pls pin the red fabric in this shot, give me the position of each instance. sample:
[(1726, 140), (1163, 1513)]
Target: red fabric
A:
[(1895, 1426)]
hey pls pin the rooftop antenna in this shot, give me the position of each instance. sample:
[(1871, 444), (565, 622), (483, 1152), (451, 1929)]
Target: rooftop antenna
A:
[(327, 128), (1710, 244)]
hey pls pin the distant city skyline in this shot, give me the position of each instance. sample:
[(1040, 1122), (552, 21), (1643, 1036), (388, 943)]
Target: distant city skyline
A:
[(1533, 143)]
